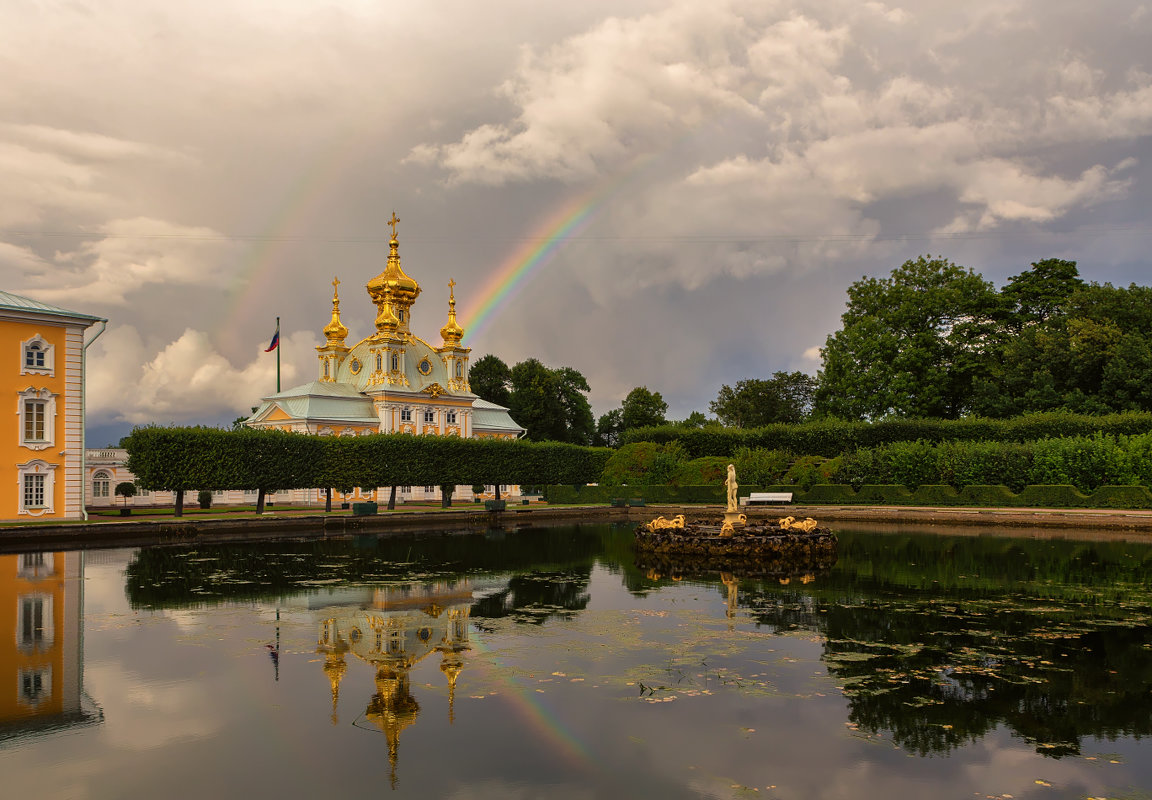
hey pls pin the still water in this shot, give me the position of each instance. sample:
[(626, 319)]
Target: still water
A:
[(547, 663)]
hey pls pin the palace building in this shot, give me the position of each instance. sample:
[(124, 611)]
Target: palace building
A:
[(41, 456), (391, 381)]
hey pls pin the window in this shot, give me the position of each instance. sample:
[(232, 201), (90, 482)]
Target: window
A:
[(395, 362), (35, 487), (34, 626), (405, 415), (37, 358), (400, 314), (430, 417), (450, 417), (35, 565), (429, 490), (37, 410), (326, 368), (34, 411), (34, 491), (459, 369), (405, 490), (35, 685), (101, 484), (379, 362)]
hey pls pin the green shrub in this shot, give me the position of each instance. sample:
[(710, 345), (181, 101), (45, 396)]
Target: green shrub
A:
[(204, 498), (760, 466), (992, 496), (701, 471), (827, 493), (1084, 462), (643, 464), (935, 495), (1121, 497), (807, 471), (884, 494), (1052, 496)]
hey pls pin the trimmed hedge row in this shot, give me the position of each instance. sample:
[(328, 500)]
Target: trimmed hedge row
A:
[(1035, 496), (830, 437), (210, 458)]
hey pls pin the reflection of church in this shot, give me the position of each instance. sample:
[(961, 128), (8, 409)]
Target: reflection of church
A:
[(398, 627), (41, 658)]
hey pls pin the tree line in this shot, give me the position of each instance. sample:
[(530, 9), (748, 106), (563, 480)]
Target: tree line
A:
[(933, 340)]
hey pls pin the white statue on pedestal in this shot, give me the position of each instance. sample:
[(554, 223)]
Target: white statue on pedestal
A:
[(730, 482)]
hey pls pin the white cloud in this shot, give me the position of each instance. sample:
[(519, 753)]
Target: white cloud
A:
[(186, 380)]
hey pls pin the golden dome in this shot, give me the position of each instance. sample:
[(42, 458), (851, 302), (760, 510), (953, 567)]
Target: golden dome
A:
[(335, 331), (392, 283), (452, 333)]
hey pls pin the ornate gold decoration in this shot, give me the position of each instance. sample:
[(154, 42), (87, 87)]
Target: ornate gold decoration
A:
[(433, 390), (425, 366), (451, 333), (726, 529), (356, 366), (392, 291), (335, 330), (660, 524), (792, 524)]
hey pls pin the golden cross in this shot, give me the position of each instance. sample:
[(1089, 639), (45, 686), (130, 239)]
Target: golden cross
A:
[(393, 222), (335, 287), (451, 289)]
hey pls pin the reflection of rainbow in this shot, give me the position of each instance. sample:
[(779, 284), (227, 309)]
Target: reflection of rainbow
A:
[(539, 717)]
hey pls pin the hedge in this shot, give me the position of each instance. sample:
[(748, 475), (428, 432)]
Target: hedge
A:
[(831, 437), (209, 458)]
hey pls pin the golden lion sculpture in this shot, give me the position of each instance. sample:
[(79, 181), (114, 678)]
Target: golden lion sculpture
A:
[(793, 524), (661, 524)]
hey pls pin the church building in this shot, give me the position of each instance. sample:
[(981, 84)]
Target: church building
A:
[(391, 381)]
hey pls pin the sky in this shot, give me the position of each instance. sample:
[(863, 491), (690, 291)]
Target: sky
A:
[(706, 177)]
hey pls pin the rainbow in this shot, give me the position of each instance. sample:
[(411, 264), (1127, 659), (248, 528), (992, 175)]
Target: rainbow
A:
[(540, 247)]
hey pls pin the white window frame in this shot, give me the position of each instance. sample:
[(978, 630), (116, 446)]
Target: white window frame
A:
[(48, 351), (101, 483), (33, 566), (406, 414), (48, 399), (429, 416), (450, 417), (36, 467)]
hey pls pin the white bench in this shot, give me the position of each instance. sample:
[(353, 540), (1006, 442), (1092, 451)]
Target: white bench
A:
[(766, 497)]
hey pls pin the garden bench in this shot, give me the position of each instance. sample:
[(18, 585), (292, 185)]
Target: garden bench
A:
[(766, 497)]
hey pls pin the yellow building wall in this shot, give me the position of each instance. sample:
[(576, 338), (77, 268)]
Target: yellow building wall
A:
[(16, 656), (12, 334)]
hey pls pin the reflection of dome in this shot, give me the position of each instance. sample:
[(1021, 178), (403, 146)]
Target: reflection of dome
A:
[(392, 709), (334, 668)]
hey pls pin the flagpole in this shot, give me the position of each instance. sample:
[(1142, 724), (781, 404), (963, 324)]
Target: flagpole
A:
[(277, 355)]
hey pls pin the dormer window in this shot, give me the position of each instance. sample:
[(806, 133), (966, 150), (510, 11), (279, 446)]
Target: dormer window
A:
[(379, 362), (395, 362), (37, 357)]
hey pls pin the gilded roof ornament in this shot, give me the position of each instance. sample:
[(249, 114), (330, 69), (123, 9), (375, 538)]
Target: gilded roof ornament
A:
[(452, 333), (392, 286), (335, 330)]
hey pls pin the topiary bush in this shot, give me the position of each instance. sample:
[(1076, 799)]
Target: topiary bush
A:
[(987, 495), (827, 494), (935, 495), (1121, 497), (884, 494), (1052, 496), (701, 472)]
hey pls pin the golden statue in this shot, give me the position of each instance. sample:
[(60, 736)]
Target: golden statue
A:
[(660, 524), (792, 524), (730, 482)]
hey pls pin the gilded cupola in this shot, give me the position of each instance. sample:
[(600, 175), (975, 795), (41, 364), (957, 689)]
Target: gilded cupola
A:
[(451, 333), (392, 291), (335, 331)]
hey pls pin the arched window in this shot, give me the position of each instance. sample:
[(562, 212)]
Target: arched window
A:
[(459, 369), (325, 368), (101, 484), (379, 362), (395, 362)]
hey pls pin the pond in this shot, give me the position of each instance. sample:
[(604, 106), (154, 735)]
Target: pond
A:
[(547, 663)]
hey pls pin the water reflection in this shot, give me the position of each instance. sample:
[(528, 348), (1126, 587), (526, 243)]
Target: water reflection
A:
[(937, 643), (41, 658)]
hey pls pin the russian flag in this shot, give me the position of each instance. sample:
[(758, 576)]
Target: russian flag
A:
[(275, 341)]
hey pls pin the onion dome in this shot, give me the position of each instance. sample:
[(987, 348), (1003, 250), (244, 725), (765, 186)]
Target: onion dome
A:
[(386, 319), (452, 333), (392, 286), (335, 331)]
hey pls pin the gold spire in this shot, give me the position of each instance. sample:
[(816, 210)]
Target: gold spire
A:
[(392, 709), (392, 291), (334, 668), (451, 666), (452, 333), (335, 330)]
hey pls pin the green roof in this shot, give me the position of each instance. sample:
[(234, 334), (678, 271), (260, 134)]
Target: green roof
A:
[(15, 302)]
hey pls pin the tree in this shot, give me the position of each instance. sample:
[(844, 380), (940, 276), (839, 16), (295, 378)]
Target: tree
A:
[(490, 380), (550, 403), (126, 489), (643, 409), (1040, 293), (912, 344), (753, 403), (695, 420), (608, 429)]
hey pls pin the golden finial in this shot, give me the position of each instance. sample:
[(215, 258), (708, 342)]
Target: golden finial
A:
[(452, 333), (335, 330), (393, 222)]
